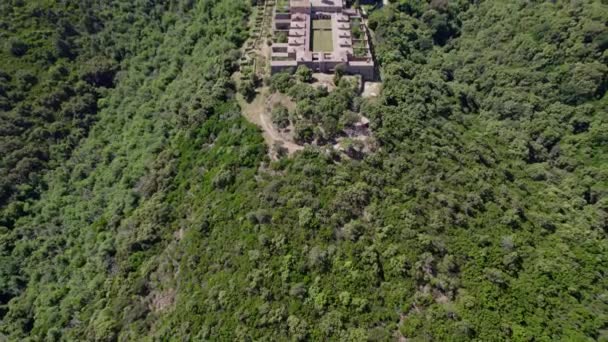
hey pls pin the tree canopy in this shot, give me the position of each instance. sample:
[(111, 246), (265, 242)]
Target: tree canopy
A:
[(137, 203)]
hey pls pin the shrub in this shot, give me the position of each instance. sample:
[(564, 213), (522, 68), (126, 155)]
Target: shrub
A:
[(100, 72), (247, 89), (303, 133), (222, 179), (281, 82), (280, 116), (339, 72), (304, 74), (17, 47), (281, 37)]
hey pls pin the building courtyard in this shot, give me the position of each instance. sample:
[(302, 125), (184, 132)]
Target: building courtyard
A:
[(321, 34)]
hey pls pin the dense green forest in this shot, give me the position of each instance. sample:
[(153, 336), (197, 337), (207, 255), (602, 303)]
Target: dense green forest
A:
[(136, 203)]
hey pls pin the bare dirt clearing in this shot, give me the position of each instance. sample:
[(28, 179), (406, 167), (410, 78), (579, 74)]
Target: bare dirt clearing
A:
[(323, 80), (258, 112), (371, 89)]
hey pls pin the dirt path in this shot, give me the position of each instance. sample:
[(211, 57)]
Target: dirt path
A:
[(371, 89), (257, 113), (275, 136), (323, 80)]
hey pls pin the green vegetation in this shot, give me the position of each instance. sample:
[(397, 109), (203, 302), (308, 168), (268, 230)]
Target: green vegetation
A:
[(360, 48), (282, 6), (249, 81), (281, 37), (320, 116), (322, 40), (304, 74), (356, 31), (52, 73), (75, 264), (137, 203), (321, 36), (280, 116), (321, 24)]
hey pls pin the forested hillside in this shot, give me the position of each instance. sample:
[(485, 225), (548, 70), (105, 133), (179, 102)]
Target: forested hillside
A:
[(51, 75), (137, 204)]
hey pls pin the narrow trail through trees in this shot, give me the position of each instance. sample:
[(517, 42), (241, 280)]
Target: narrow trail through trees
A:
[(258, 113)]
